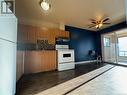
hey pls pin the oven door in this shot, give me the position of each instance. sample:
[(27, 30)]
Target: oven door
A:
[(65, 56)]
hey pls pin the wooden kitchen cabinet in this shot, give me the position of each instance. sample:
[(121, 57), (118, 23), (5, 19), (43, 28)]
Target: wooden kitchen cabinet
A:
[(39, 61), (67, 34), (48, 60), (26, 34), (51, 36), (32, 32), (19, 64), (62, 33), (42, 34), (22, 33), (32, 62)]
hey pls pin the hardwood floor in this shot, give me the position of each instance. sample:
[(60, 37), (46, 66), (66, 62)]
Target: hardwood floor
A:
[(35, 83)]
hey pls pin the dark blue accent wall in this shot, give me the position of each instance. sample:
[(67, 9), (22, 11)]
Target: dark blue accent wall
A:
[(82, 41)]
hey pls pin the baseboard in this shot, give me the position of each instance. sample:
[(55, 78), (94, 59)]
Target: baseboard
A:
[(84, 62)]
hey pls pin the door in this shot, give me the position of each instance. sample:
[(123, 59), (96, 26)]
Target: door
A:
[(122, 46), (7, 67), (109, 47)]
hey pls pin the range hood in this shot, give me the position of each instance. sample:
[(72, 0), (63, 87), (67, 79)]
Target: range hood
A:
[(64, 39)]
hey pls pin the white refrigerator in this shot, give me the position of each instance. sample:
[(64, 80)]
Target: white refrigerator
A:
[(8, 40)]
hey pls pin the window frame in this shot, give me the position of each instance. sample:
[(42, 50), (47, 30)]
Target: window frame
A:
[(124, 52)]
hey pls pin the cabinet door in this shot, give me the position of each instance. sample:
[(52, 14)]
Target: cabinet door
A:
[(39, 61), (32, 62), (19, 65), (22, 33), (7, 67), (51, 36), (42, 34), (49, 61), (32, 34), (56, 33), (67, 34), (63, 34)]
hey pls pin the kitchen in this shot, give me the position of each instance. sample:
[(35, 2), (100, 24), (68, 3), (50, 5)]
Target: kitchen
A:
[(37, 49)]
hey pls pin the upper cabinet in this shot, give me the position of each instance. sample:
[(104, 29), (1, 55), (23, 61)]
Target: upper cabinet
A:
[(30, 34), (26, 34), (52, 35), (42, 34), (22, 34), (62, 33)]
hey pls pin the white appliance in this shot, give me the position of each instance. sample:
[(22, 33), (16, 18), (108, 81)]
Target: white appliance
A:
[(65, 57), (8, 38)]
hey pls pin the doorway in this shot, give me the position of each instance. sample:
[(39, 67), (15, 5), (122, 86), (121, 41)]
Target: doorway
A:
[(114, 47)]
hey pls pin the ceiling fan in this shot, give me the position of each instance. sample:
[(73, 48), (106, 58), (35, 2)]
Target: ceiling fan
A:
[(98, 23)]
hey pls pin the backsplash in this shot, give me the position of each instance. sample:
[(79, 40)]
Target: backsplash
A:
[(41, 45), (44, 45)]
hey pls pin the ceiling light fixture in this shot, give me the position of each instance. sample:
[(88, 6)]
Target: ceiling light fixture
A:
[(99, 25), (45, 5)]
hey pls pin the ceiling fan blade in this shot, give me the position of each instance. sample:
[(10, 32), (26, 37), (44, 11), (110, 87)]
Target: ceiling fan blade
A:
[(90, 26), (106, 23), (92, 20), (106, 19)]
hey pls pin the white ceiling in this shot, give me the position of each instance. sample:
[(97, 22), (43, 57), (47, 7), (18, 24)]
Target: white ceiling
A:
[(72, 12)]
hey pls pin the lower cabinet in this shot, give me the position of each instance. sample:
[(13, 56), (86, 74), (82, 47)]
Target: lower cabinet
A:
[(19, 64), (39, 61)]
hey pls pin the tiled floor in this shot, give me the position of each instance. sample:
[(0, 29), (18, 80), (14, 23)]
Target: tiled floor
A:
[(36, 83), (113, 82)]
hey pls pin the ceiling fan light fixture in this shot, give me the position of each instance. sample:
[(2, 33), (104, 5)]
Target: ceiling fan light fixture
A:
[(100, 25), (45, 5), (97, 26)]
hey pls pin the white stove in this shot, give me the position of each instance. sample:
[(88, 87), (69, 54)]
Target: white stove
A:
[(65, 57)]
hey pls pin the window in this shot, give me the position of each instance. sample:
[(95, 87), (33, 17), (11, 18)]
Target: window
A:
[(106, 42), (122, 43)]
